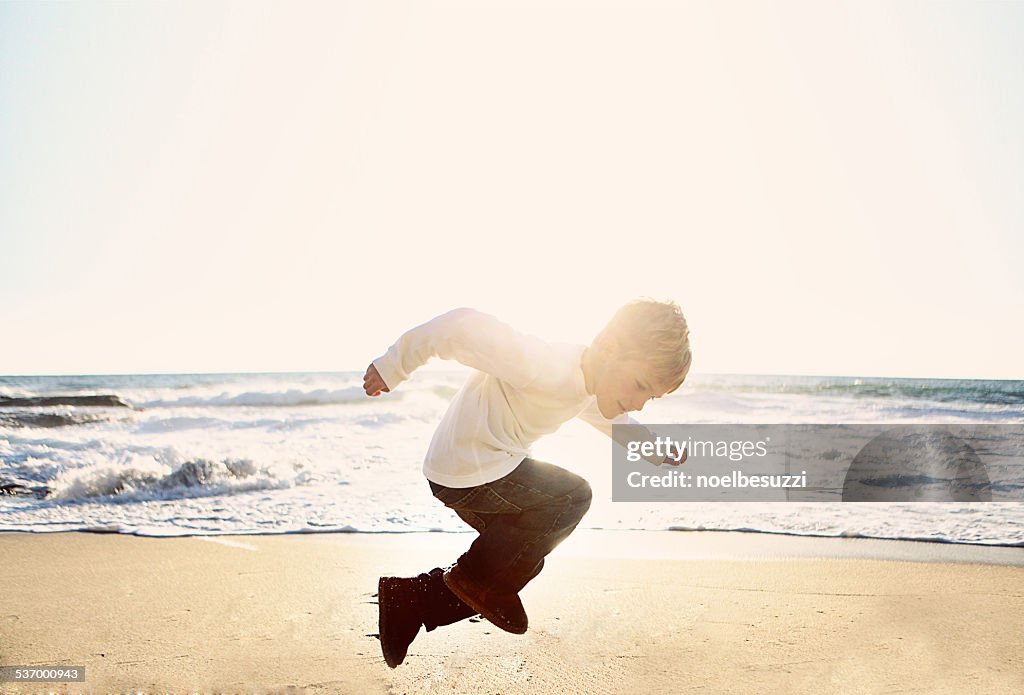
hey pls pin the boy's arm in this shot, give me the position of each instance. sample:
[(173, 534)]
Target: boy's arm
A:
[(627, 430), (475, 339)]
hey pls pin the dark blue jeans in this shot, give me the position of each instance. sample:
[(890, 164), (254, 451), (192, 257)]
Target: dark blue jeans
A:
[(520, 518)]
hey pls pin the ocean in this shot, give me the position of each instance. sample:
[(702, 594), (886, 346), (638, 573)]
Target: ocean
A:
[(211, 454)]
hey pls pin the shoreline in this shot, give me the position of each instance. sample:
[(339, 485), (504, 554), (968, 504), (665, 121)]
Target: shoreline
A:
[(702, 612), (726, 543)]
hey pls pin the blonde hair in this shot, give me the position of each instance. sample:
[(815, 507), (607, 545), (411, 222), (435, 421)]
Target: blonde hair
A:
[(653, 331)]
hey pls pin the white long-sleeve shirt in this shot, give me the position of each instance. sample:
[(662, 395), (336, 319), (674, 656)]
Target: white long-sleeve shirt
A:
[(523, 388)]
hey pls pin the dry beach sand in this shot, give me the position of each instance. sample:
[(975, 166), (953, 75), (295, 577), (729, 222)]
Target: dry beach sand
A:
[(613, 611)]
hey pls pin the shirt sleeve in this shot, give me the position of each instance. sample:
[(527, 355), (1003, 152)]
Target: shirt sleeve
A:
[(471, 337), (631, 431)]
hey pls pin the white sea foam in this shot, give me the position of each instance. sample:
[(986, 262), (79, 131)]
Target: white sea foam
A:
[(290, 397)]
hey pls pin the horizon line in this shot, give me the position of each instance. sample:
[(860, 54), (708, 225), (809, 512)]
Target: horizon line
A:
[(460, 368)]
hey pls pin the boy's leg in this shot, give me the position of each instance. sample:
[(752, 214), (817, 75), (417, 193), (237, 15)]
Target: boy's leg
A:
[(525, 515), (440, 605), (521, 518)]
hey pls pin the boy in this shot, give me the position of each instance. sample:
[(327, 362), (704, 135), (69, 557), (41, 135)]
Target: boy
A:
[(478, 463)]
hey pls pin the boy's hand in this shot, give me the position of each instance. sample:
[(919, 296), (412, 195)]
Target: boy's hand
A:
[(372, 383), (679, 458)]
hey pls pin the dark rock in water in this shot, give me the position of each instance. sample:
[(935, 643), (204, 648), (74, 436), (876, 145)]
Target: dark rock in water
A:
[(19, 489), (202, 472), (44, 420), (191, 474), (108, 401), (917, 463)]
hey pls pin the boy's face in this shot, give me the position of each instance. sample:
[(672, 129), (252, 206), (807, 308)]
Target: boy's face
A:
[(624, 385)]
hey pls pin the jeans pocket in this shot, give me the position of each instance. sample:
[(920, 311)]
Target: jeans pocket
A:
[(480, 499)]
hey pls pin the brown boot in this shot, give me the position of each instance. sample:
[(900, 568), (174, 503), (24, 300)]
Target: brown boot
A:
[(503, 610)]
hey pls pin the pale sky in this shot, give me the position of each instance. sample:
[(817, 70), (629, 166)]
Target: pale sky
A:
[(825, 188)]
